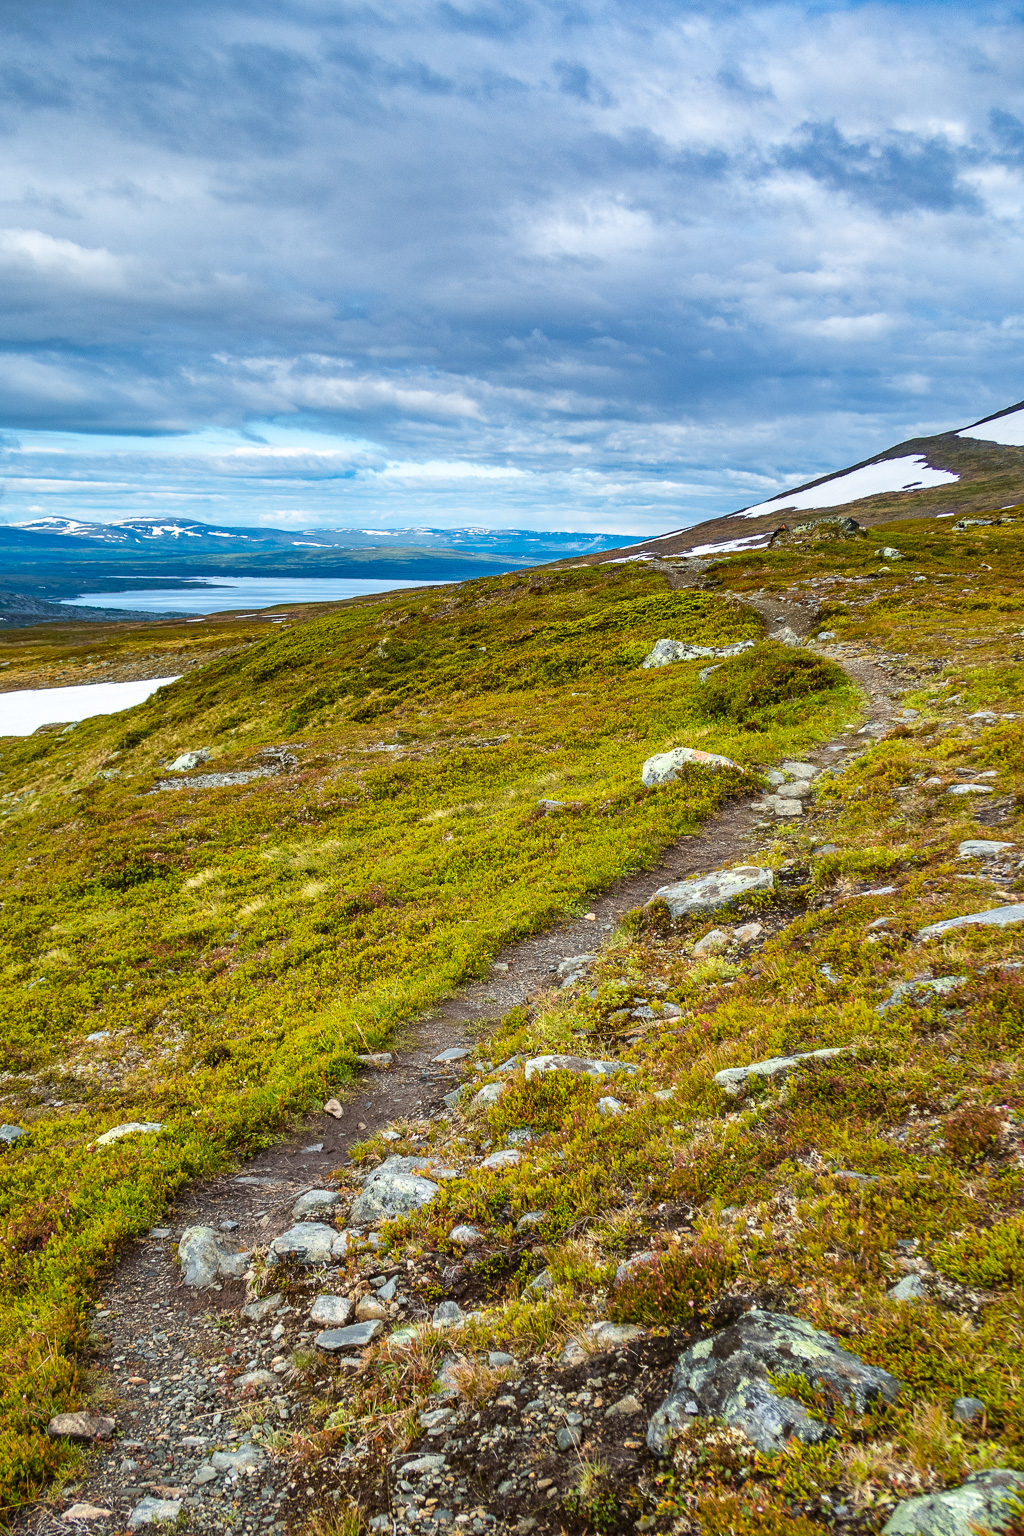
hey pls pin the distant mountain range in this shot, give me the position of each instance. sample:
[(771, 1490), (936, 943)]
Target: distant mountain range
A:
[(972, 471), (56, 557)]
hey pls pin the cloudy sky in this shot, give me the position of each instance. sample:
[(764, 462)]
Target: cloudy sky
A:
[(574, 264)]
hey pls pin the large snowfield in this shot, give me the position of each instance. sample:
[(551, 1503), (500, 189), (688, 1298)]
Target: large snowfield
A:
[(910, 473), (1006, 429)]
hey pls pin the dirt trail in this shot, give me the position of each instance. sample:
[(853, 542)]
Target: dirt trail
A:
[(157, 1332)]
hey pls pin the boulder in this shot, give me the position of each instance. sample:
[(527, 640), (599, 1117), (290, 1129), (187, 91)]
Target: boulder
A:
[(331, 1311), (702, 894), (314, 1200), (728, 1376), (206, 1256), (188, 760), (130, 1128), (308, 1242), (968, 1410), (9, 1134), (667, 651), (732, 1079), (540, 1066), (997, 917), (782, 805), (663, 767), (394, 1189), (85, 1427), (983, 1502), (614, 1335), (970, 789)]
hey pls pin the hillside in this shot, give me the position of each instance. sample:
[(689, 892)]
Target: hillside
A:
[(393, 798)]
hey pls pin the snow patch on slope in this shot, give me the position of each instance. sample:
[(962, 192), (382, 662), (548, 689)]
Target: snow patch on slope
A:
[(910, 473), (1008, 430)]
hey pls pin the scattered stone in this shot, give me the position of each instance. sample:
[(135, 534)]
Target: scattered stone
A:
[(357, 1336), (246, 1460), (387, 1291), (82, 1426), (206, 1256), (983, 1502), (369, 1308), (748, 933), (708, 893), (225, 1226), (310, 1242), (519, 1136), (378, 1060), (608, 1108), (314, 1200), (256, 1311), (624, 1407), (86, 1512), (970, 789), (728, 1376), (465, 1236), (888, 553), (542, 1283), (393, 1189), (506, 1158), (332, 1311), (782, 805), (786, 636), (334, 1108), (130, 1128), (254, 1380), (613, 1335), (151, 1511), (663, 767), (453, 1053), (800, 770), (490, 1093), (423, 1464), (497, 1359), (568, 1438), (9, 1134), (732, 1079), (188, 760), (981, 848), (540, 1066), (910, 1288), (998, 917), (447, 1314), (917, 991), (968, 1410), (712, 943)]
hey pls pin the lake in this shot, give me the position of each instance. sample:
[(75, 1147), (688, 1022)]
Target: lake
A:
[(244, 592)]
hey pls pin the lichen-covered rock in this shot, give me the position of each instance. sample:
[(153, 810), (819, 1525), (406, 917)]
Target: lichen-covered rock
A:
[(129, 1128), (206, 1256), (309, 1242), (732, 1079), (667, 651), (983, 1502), (702, 894), (315, 1200), (919, 991), (394, 1189), (997, 917), (540, 1066), (663, 767), (727, 1376)]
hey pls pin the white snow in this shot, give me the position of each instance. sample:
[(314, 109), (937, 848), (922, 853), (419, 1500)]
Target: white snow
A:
[(26, 709), (731, 546), (910, 473), (1008, 430)]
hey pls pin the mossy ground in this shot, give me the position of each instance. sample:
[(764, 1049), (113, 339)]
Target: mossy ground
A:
[(231, 950)]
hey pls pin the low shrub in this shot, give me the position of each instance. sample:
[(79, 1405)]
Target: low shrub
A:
[(747, 686), (678, 1287), (986, 1257)]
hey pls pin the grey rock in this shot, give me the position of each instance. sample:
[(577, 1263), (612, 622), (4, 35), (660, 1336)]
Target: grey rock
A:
[(910, 1288), (782, 805), (308, 1242), (624, 1408), (610, 1108), (314, 1200), (568, 1438), (81, 1426), (188, 760), (918, 991), (970, 789), (613, 1335), (253, 1379), (256, 1311), (630, 1265), (129, 1128), (498, 1358), (968, 1410), (786, 636), (490, 1093), (507, 1157), (204, 1475), (246, 1460), (453, 1053), (465, 1236), (540, 1066), (665, 652), (520, 1136), (711, 944), (394, 1189), (331, 1311), (225, 1226), (357, 1336), (703, 894), (732, 1079), (800, 770), (981, 848), (9, 1134), (726, 1376), (530, 1220), (447, 1314), (378, 1060), (983, 1501), (388, 1290), (421, 1465), (213, 780), (542, 1283), (154, 1512), (998, 917), (435, 1417), (573, 963), (206, 1256), (663, 767)]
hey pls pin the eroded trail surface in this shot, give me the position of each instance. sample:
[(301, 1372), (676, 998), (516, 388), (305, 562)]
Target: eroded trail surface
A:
[(186, 1373)]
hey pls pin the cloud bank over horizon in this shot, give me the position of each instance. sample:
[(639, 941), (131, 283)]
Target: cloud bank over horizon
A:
[(562, 265)]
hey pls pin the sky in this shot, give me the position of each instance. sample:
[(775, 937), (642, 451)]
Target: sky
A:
[(567, 265)]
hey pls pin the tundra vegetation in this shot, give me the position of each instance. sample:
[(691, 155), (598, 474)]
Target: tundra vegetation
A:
[(231, 950)]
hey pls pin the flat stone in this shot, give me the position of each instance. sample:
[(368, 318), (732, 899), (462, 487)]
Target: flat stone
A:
[(253, 1379), (379, 1061), (203, 1476), (574, 963), (206, 1256), (86, 1512), (129, 1128), (970, 789), (919, 991), (800, 770), (387, 1291), (154, 1512), (9, 1134), (782, 805), (540, 1066), (728, 1376), (709, 893), (331, 1311), (981, 848), (453, 1053), (665, 652), (420, 1465), (86, 1427), (246, 1459), (355, 1337), (256, 1311), (614, 1335), (465, 1236), (506, 1158), (997, 917), (983, 1501), (732, 1079), (447, 1314), (315, 1200), (664, 767), (910, 1288), (394, 1189), (308, 1242), (498, 1358)]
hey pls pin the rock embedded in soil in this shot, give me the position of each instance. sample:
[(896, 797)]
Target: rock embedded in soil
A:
[(981, 848), (355, 1337), (256, 1311), (251, 1380), (704, 894), (919, 991), (247, 1459), (206, 1256), (910, 1288), (332, 1311), (968, 1410), (726, 1376), (732, 1079), (711, 944), (129, 1128), (465, 1236), (506, 1158), (315, 1200), (985, 1501), (379, 1061), (9, 1134), (997, 917), (589, 1066), (154, 1512), (664, 767), (309, 1242), (394, 1189), (82, 1426)]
